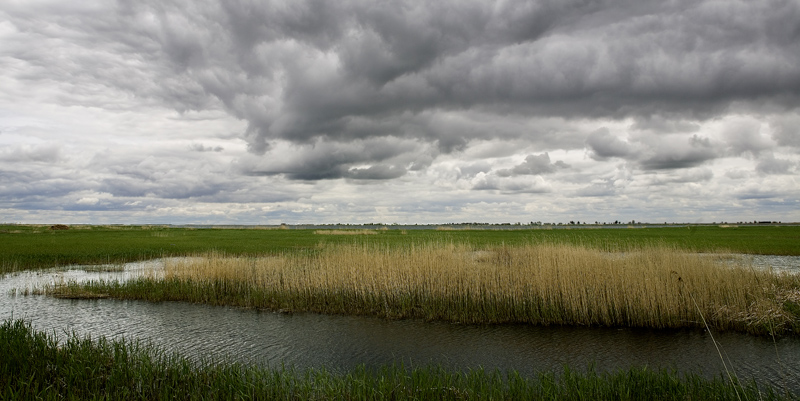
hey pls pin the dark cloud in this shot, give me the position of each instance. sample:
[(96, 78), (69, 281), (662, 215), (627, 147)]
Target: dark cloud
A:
[(682, 177), (771, 165), (24, 186), (746, 138), (377, 172), (603, 189), (664, 123), (371, 159), (41, 153), (314, 69), (675, 155), (758, 193), (421, 162), (786, 130), (510, 185), (652, 151), (603, 145), (167, 187), (471, 170), (534, 165), (199, 147)]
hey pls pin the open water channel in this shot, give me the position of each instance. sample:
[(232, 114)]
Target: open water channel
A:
[(339, 343)]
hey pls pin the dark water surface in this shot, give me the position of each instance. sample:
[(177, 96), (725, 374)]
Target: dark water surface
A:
[(339, 343)]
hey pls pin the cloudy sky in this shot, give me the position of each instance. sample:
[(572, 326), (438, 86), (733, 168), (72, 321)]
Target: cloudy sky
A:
[(352, 111)]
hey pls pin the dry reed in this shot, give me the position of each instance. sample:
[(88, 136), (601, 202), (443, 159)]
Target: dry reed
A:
[(345, 232), (540, 284)]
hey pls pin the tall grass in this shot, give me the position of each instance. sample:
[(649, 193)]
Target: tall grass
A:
[(549, 283), (34, 365), (345, 232)]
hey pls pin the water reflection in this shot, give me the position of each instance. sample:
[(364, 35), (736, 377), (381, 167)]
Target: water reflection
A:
[(342, 342)]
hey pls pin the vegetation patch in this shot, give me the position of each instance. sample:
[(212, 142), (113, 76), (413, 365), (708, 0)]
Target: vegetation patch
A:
[(562, 284), (345, 232), (35, 365), (79, 295)]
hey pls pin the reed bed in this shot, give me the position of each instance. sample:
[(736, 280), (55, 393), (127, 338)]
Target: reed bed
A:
[(35, 365), (345, 232), (549, 283), (564, 284)]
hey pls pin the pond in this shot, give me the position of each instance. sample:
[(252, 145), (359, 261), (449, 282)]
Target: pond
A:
[(339, 343)]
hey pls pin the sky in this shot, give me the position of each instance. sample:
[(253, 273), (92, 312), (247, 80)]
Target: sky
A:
[(351, 111)]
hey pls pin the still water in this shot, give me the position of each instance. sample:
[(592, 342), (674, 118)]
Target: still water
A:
[(339, 343)]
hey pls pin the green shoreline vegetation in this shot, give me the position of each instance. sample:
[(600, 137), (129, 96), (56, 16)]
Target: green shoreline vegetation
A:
[(35, 365)]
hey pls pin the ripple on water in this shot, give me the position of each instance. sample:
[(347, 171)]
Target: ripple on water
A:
[(342, 342)]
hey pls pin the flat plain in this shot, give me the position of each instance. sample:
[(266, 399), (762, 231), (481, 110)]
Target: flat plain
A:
[(658, 277), (25, 247)]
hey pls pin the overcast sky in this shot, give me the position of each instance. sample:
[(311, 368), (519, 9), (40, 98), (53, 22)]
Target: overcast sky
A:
[(263, 112)]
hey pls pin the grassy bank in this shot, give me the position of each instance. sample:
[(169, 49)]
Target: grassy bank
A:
[(25, 247), (548, 283), (34, 365)]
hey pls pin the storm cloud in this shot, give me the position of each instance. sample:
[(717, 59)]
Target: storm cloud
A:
[(281, 109)]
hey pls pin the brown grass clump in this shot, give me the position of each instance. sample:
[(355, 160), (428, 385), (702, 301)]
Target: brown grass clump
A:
[(346, 232), (540, 284)]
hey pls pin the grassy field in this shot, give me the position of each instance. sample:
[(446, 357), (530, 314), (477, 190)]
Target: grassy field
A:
[(34, 365), (31, 247)]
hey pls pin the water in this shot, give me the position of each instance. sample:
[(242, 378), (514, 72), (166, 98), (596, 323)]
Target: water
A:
[(789, 264), (339, 343)]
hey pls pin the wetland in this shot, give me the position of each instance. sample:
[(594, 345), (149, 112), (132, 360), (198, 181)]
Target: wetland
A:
[(488, 322)]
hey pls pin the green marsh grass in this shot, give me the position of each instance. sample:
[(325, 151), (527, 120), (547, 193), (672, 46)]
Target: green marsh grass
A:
[(35, 365), (547, 283), (24, 247)]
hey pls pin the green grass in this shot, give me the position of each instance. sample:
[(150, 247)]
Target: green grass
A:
[(34, 365), (25, 247)]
